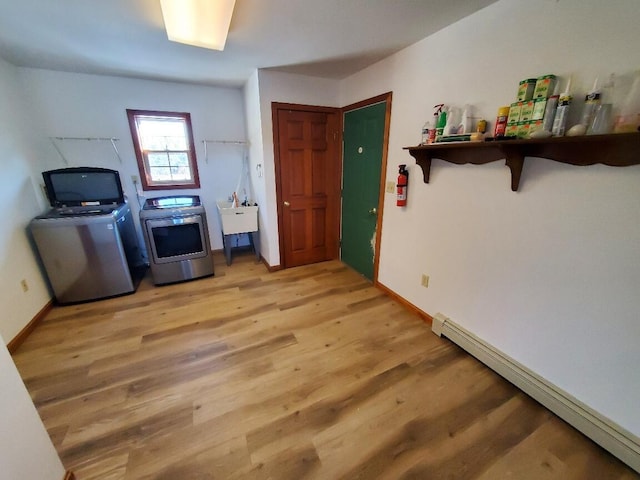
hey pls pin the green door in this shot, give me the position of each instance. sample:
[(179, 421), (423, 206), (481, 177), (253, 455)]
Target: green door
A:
[(362, 162)]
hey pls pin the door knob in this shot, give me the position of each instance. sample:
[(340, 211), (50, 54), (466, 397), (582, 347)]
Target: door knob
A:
[(286, 204), (373, 211)]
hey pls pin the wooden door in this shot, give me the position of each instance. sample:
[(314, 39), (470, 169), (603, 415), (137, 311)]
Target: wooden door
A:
[(364, 133), (308, 180)]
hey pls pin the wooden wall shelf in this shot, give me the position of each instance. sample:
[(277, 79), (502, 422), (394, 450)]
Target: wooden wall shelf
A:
[(615, 150)]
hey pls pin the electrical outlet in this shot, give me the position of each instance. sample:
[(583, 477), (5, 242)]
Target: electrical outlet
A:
[(424, 281), (134, 179), (24, 285), (391, 187)]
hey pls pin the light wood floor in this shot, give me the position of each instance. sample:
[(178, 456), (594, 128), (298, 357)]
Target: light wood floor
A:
[(305, 373)]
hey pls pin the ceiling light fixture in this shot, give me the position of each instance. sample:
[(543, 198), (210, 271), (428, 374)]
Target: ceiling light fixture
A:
[(203, 23)]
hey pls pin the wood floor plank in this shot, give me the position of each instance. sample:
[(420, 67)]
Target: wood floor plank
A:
[(434, 417), (202, 450), (542, 456), (98, 439), (112, 467), (309, 372)]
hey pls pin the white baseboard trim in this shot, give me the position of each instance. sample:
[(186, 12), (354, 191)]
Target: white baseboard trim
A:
[(610, 436)]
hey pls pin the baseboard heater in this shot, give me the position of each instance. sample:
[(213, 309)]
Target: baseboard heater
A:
[(610, 436)]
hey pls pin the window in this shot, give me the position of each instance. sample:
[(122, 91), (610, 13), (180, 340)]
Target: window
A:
[(163, 143)]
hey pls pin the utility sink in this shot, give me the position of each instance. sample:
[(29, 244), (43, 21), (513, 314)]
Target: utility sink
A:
[(237, 220)]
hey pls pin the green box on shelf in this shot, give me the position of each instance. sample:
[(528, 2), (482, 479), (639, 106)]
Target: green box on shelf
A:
[(527, 111), (523, 129), (512, 130), (539, 105), (535, 125), (544, 86), (526, 89), (514, 112)]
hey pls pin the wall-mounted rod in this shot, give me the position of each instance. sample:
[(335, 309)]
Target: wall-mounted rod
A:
[(226, 142), (111, 140), (90, 139), (115, 149), (55, 145), (221, 142)]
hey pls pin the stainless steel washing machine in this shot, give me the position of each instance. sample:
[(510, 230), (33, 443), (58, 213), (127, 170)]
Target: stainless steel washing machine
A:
[(88, 253), (87, 241), (177, 238)]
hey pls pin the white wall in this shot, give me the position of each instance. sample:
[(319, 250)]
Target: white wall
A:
[(256, 167), (550, 274), (79, 105), (23, 437), (21, 201), (26, 450), (286, 88)]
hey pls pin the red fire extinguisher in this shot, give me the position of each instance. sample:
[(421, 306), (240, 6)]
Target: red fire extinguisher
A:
[(403, 181)]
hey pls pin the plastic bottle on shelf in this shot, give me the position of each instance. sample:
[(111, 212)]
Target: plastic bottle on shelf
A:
[(629, 118), (432, 131), (602, 122), (591, 101), (608, 89), (550, 112), (501, 122), (453, 121), (466, 121), (424, 138), (562, 112), (442, 121)]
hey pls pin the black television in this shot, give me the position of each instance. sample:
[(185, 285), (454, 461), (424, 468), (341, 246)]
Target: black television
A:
[(83, 186)]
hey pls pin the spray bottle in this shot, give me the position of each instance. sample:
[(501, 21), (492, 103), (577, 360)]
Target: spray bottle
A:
[(432, 131), (453, 120), (562, 112), (442, 120)]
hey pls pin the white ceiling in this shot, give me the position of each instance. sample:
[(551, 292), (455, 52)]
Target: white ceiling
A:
[(325, 38)]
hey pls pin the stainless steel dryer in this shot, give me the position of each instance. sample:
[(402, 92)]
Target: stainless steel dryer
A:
[(177, 238)]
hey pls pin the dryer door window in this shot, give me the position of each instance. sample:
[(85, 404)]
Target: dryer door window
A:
[(176, 239)]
